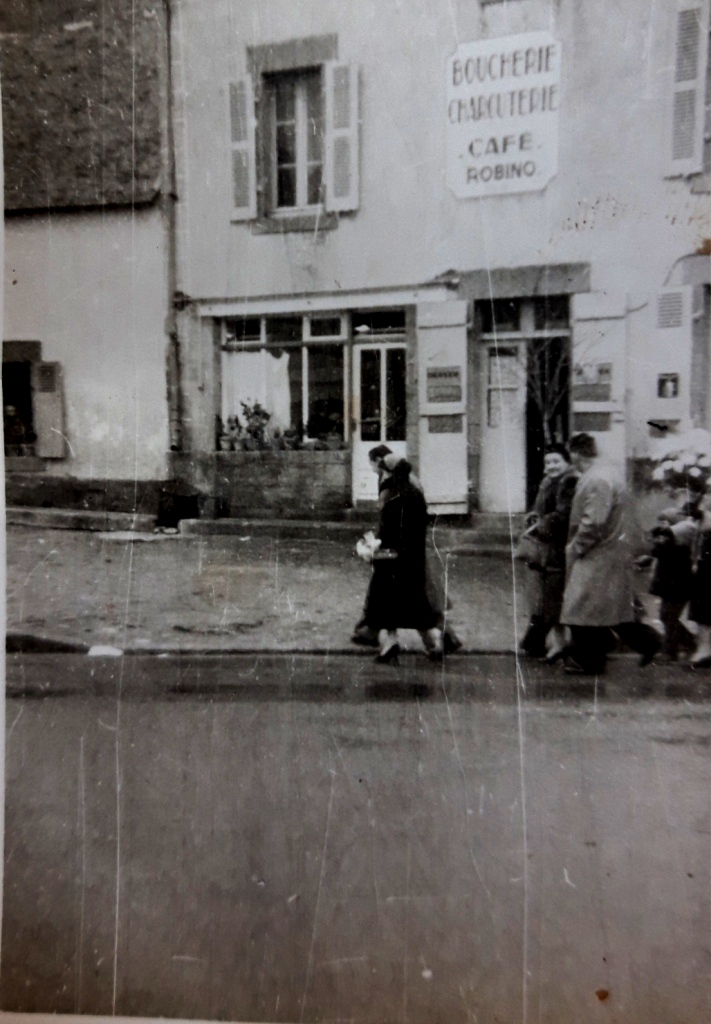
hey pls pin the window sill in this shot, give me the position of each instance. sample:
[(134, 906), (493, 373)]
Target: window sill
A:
[(285, 224)]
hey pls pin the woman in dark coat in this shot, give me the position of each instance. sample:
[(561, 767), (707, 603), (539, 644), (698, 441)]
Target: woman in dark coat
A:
[(548, 523), (382, 460), (398, 592)]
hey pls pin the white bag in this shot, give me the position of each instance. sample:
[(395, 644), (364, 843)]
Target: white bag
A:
[(367, 545)]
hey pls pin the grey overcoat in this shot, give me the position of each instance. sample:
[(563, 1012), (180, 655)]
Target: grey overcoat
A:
[(598, 589)]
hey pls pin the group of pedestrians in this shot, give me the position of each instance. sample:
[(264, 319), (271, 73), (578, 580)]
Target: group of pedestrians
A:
[(580, 543), (587, 542)]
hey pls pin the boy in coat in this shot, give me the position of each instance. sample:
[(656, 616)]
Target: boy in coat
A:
[(672, 541)]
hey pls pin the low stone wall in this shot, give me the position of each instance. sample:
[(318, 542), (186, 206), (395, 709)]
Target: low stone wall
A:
[(39, 490), (280, 485)]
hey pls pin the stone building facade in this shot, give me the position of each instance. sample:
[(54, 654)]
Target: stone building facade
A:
[(246, 243), (458, 229)]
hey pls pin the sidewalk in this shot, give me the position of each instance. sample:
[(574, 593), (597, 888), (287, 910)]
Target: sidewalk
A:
[(212, 594)]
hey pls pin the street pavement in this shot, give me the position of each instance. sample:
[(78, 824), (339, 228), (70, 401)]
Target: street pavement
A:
[(287, 837), (217, 593), (231, 594)]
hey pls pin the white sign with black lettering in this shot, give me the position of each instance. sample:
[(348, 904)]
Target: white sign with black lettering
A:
[(503, 97)]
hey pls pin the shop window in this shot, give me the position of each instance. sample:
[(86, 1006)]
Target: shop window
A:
[(292, 379), (294, 127)]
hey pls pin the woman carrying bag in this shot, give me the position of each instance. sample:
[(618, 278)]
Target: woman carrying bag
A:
[(397, 597), (382, 461)]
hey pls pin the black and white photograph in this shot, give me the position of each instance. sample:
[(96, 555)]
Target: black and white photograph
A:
[(356, 379)]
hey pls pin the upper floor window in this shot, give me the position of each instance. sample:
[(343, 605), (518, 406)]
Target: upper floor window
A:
[(294, 130), (294, 133)]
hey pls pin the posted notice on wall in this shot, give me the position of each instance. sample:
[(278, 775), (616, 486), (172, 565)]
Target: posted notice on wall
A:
[(503, 97)]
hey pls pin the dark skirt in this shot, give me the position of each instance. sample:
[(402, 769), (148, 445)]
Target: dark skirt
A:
[(700, 602), (397, 597)]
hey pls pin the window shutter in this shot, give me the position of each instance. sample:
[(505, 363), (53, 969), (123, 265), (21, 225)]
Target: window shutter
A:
[(48, 410), (342, 130), (242, 150), (688, 87)]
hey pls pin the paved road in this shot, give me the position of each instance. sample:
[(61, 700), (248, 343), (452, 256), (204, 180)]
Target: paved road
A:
[(314, 839)]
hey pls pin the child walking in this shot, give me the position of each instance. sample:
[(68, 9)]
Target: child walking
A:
[(672, 542)]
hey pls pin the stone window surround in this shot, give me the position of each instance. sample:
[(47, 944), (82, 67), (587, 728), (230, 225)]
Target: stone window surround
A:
[(272, 58)]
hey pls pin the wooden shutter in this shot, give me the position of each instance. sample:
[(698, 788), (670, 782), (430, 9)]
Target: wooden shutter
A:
[(688, 87), (48, 410), (242, 150), (342, 131)]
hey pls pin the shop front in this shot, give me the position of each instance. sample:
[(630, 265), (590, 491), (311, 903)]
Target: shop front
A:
[(303, 397), (469, 392)]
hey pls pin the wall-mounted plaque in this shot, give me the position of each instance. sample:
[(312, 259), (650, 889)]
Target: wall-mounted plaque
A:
[(444, 384)]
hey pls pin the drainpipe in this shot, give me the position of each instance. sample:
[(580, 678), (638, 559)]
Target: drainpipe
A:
[(169, 198)]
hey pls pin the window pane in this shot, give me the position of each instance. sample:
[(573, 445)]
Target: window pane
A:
[(286, 144), (284, 328), (370, 395), (325, 326), (314, 114), (249, 378), (381, 322), (315, 176), (325, 398), (550, 312), (243, 329), (395, 395), (286, 186), (500, 315), (285, 92), (296, 375)]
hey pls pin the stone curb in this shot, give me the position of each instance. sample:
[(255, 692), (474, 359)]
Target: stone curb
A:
[(78, 519), (27, 643)]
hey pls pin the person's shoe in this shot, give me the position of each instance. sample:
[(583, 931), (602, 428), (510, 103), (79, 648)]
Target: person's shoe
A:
[(572, 668), (451, 643), (389, 655), (365, 639), (647, 657), (557, 654)]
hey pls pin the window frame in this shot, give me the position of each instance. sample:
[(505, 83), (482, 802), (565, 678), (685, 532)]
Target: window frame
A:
[(300, 77), (306, 342)]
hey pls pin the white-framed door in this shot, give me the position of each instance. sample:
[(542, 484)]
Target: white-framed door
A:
[(503, 433), (379, 409)]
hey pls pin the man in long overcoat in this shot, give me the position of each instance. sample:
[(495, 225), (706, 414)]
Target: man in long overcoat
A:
[(598, 593)]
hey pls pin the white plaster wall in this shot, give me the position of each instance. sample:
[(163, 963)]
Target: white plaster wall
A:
[(609, 205), (92, 288)]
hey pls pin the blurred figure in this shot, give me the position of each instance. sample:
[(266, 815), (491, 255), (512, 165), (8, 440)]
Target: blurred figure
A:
[(673, 538)]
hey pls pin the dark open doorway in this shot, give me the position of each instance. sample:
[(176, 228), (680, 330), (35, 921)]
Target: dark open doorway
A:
[(18, 419)]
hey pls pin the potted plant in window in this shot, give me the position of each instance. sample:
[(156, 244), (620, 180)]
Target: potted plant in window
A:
[(256, 419)]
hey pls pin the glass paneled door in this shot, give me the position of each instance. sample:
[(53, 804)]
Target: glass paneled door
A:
[(379, 410)]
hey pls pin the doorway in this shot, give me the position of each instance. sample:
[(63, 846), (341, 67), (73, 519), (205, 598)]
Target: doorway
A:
[(379, 410), (525, 396)]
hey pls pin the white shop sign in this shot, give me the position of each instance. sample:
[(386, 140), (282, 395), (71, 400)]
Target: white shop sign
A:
[(503, 97)]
